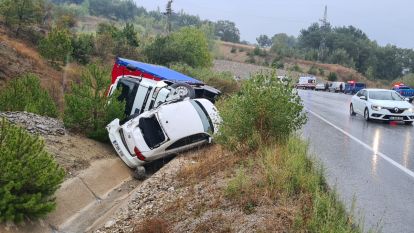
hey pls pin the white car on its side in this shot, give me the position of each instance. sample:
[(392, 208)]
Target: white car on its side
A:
[(168, 129), (381, 104)]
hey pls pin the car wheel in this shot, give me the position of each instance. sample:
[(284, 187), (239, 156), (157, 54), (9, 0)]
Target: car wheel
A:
[(140, 173), (183, 90), (366, 114), (408, 122), (351, 110)]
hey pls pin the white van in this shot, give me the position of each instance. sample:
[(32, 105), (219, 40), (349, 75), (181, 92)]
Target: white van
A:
[(306, 82), (336, 87)]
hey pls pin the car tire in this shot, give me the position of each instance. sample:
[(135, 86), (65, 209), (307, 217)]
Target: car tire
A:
[(351, 110), (408, 122), (140, 173), (366, 114), (183, 90)]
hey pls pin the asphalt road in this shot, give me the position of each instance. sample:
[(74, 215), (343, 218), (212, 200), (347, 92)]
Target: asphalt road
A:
[(371, 164)]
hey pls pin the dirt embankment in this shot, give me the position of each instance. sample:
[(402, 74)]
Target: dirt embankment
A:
[(73, 152), (19, 57)]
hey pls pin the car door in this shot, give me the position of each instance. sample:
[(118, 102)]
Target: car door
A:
[(359, 103)]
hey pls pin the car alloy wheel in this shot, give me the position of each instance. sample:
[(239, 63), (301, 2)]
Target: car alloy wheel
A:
[(366, 114)]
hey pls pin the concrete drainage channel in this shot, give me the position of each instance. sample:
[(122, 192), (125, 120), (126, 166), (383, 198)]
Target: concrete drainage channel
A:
[(85, 201)]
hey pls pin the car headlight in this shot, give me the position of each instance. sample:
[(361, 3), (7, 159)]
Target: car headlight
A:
[(376, 107), (411, 109)]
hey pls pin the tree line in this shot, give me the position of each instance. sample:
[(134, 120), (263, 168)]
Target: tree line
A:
[(347, 46)]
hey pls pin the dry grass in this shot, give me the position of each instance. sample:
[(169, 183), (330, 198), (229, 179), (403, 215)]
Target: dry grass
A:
[(207, 162), (152, 225)]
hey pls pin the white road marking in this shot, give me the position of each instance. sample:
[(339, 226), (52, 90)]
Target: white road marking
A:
[(386, 158)]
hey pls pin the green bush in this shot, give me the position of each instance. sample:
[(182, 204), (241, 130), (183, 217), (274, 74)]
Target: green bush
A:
[(189, 45), (296, 68), (312, 70), (26, 94), (87, 109), (321, 72), (223, 81), (332, 77), (56, 46), (83, 47), (29, 175), (263, 111)]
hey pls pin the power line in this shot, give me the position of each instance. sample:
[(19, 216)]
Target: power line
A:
[(325, 26)]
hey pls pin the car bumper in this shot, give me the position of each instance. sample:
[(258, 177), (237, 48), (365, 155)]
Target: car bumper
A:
[(116, 140), (385, 115)]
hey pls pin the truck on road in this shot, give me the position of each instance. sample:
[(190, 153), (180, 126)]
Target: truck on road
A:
[(404, 91)]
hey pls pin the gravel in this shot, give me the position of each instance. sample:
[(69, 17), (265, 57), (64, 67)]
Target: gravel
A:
[(36, 124)]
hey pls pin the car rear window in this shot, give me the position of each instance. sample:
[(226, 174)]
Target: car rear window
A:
[(203, 114), (151, 131)]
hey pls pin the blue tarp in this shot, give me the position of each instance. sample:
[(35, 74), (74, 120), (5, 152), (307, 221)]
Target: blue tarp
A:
[(159, 71)]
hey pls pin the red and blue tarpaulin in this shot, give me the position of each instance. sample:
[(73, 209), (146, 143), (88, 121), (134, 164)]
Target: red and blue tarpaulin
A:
[(149, 71)]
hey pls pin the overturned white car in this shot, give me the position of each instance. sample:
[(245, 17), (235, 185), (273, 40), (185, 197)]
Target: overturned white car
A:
[(171, 128)]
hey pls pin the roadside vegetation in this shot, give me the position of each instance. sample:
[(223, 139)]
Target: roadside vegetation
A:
[(29, 175), (87, 108), (26, 94), (259, 177), (263, 118)]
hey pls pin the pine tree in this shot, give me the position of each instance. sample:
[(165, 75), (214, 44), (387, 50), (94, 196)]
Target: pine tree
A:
[(29, 175), (26, 94), (87, 108)]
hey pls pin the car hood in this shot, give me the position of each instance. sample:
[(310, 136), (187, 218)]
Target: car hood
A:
[(391, 103), (180, 120)]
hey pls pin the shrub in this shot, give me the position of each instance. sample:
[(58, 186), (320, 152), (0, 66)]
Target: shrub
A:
[(223, 81), (56, 46), (83, 47), (29, 175), (264, 110), (26, 94), (332, 76), (296, 68), (321, 72), (233, 50), (87, 109), (189, 45), (312, 70)]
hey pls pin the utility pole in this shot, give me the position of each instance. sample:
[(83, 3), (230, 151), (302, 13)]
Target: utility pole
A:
[(168, 13), (324, 27)]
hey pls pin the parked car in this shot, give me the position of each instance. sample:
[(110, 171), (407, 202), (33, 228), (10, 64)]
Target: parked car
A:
[(336, 86), (320, 87), (171, 128), (380, 104), (404, 90), (171, 78), (306, 82), (352, 87)]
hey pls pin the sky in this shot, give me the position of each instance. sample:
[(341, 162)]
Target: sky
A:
[(385, 21)]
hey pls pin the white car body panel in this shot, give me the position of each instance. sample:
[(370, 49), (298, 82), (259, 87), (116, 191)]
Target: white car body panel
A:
[(171, 120)]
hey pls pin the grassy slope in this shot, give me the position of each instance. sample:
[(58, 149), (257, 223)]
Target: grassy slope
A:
[(276, 189)]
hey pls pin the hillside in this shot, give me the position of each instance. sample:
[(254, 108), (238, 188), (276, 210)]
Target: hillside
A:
[(238, 54)]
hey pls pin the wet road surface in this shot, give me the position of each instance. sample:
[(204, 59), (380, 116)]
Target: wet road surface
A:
[(371, 164)]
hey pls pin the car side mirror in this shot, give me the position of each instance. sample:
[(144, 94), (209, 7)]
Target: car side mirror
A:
[(363, 97)]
